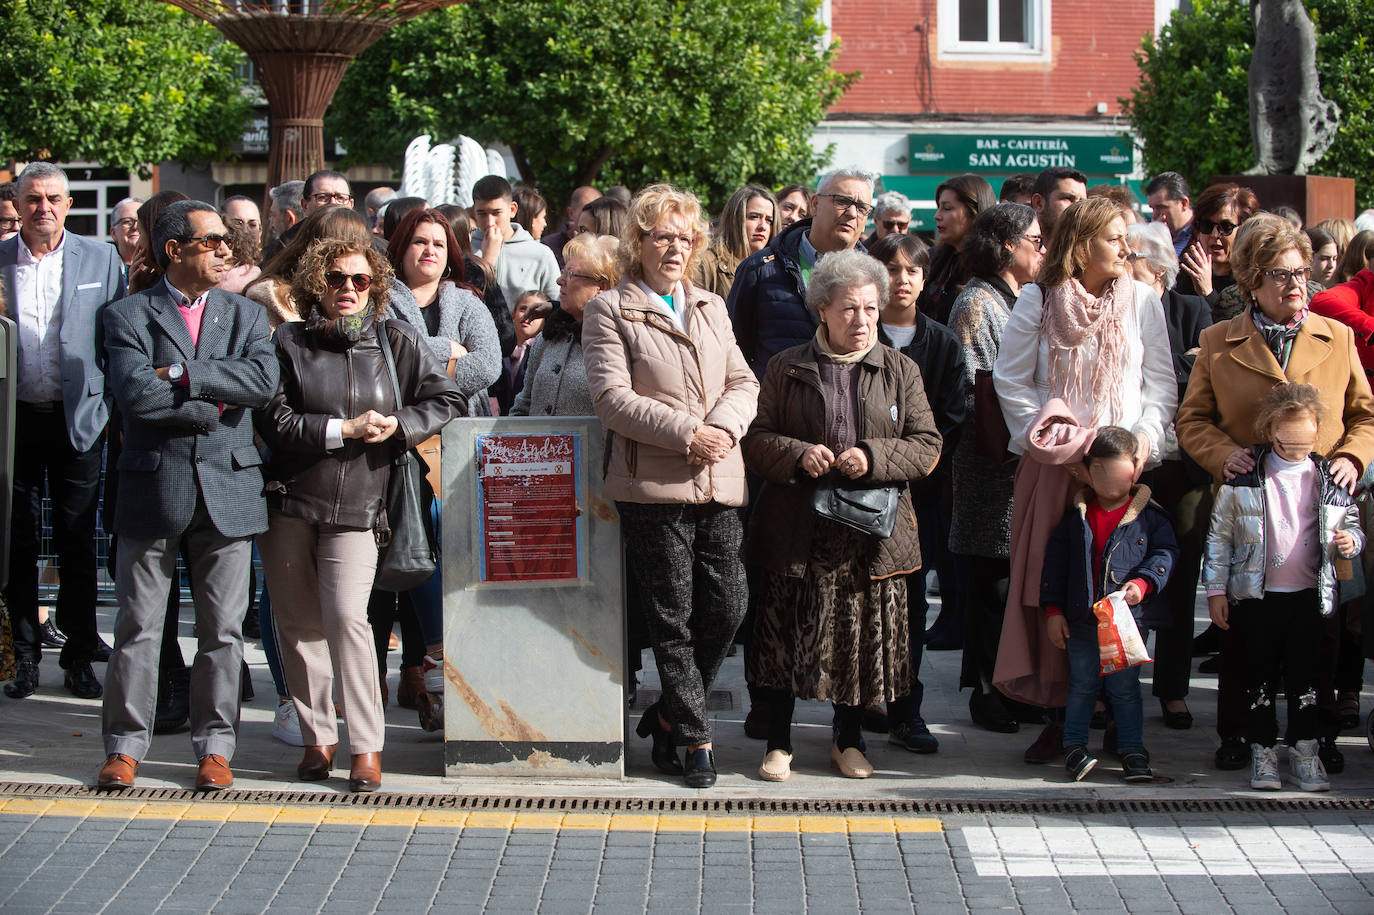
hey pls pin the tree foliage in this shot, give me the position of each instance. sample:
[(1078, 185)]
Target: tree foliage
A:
[(1192, 107), (707, 94), (124, 83)]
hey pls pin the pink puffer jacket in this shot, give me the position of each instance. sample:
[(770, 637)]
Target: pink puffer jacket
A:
[(653, 385)]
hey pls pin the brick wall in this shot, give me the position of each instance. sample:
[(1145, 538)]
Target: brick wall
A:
[(896, 47)]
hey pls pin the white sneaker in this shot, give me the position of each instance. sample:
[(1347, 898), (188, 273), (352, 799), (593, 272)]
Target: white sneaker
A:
[(434, 675), (286, 726), (1264, 768), (1307, 767)]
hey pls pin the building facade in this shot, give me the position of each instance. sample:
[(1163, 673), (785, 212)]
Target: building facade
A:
[(995, 87)]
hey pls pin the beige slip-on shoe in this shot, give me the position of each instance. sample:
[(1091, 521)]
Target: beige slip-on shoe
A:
[(776, 766), (851, 763)]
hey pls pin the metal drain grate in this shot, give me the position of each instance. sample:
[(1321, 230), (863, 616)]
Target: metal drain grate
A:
[(720, 807)]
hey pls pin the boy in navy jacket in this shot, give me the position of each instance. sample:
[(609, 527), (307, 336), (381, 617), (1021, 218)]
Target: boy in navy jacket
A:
[(1113, 538)]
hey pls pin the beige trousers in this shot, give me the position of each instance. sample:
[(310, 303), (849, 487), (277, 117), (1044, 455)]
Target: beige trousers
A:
[(320, 577)]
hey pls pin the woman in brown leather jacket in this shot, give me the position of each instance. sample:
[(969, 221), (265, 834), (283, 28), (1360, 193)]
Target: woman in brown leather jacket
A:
[(832, 621), (334, 427)]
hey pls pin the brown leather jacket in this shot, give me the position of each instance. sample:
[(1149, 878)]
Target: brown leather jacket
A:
[(896, 428), (319, 382)]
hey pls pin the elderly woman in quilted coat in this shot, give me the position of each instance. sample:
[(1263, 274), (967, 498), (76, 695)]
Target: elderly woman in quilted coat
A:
[(832, 623)]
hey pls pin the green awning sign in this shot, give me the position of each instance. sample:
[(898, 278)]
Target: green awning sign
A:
[(1006, 153)]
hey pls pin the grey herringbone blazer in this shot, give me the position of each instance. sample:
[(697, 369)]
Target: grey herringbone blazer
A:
[(178, 439)]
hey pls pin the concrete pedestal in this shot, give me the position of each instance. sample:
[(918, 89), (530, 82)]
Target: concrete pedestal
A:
[(1316, 197), (534, 632)]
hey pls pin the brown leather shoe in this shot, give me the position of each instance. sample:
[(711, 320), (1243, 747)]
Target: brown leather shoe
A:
[(411, 686), (1048, 747), (214, 774), (366, 773), (117, 773), (317, 763)]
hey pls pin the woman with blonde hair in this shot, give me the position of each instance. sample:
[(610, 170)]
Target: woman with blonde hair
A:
[(747, 224), (675, 395), (1086, 346)]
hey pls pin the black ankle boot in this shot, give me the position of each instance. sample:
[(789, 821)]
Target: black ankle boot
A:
[(173, 701), (664, 756)]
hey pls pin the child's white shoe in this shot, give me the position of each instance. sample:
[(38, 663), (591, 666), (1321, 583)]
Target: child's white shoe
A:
[(1307, 767), (1264, 768)]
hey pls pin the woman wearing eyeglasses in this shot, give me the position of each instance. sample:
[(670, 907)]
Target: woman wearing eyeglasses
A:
[(334, 427), (673, 390), (1275, 339), (1206, 262)]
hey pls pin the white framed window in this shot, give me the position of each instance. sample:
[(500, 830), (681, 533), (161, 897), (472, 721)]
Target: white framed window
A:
[(994, 29)]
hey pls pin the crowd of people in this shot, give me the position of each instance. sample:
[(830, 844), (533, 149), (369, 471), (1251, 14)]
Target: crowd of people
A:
[(1065, 414)]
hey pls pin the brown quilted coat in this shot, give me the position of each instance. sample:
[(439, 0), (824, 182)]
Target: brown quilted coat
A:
[(896, 428)]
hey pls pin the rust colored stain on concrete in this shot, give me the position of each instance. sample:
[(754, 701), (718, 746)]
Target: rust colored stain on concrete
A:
[(504, 726), (595, 652)]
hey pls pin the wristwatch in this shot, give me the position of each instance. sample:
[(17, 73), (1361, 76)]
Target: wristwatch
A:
[(176, 372)]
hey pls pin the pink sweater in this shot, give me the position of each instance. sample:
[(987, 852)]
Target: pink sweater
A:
[(1292, 545)]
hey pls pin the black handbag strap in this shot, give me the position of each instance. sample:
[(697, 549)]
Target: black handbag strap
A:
[(382, 339)]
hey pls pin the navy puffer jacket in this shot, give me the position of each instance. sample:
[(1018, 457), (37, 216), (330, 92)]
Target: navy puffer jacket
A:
[(767, 302)]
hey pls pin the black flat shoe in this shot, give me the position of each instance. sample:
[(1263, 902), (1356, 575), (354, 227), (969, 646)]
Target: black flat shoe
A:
[(1234, 753), (1179, 721), (700, 769), (101, 653), (991, 715), (81, 682), (664, 756), (25, 681), (49, 635)]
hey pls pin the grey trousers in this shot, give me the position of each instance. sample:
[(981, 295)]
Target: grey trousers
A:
[(320, 579), (144, 571), (686, 562)]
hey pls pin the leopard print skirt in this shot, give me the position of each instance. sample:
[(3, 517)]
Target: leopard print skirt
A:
[(833, 634)]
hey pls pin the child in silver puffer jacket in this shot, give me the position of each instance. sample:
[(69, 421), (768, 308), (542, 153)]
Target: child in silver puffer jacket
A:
[(1269, 570)]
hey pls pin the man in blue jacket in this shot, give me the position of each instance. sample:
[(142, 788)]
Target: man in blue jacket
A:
[(768, 299)]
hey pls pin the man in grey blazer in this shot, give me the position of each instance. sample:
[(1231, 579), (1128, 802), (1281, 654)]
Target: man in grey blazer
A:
[(56, 284), (188, 363)]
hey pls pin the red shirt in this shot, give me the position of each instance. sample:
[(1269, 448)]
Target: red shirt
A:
[(1102, 522)]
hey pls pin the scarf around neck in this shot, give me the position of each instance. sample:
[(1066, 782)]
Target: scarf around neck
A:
[(1279, 337), (339, 333), (823, 344), (1073, 317)]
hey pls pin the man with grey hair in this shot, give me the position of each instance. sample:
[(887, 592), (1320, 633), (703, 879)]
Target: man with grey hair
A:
[(124, 231), (891, 216), (284, 213), (57, 285), (768, 299)]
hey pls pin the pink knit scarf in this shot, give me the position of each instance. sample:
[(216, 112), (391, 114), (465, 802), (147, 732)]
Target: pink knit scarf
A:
[(1072, 319)]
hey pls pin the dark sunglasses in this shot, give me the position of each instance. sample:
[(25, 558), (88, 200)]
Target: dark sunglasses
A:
[(335, 280), (209, 242), (1207, 227)]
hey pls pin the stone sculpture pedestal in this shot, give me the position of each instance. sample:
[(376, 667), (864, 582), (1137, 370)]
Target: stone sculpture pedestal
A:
[(1316, 197), (534, 619)]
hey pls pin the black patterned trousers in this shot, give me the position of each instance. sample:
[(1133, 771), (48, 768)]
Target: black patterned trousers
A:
[(687, 565)]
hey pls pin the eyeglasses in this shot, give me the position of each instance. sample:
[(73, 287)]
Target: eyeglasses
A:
[(322, 198), (1207, 227), (1282, 277), (569, 275), (126, 223), (895, 225), (209, 242), (335, 279), (1037, 241), (9, 223), (664, 239), (843, 202)]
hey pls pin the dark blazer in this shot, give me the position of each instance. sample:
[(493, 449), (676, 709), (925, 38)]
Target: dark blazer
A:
[(1142, 546), (92, 277), (176, 439), (940, 356)]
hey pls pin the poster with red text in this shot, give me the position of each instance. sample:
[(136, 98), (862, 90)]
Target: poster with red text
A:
[(529, 493)]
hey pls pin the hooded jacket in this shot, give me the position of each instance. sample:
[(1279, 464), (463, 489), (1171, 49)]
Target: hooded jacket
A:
[(1142, 546), (1236, 553)]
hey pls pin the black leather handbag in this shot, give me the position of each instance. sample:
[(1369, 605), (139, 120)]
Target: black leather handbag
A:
[(869, 509), (406, 555)]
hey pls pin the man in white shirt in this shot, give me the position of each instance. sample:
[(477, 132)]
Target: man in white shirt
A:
[(57, 284)]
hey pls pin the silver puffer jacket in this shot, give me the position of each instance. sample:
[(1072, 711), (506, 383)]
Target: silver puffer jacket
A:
[(1236, 554)]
